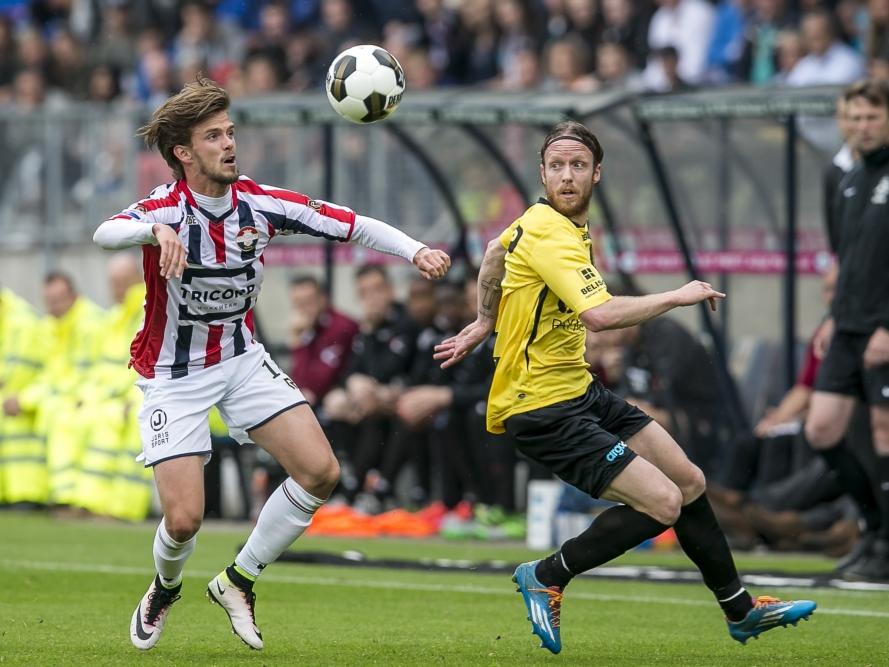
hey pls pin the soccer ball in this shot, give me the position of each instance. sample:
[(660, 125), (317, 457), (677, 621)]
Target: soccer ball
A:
[(365, 84)]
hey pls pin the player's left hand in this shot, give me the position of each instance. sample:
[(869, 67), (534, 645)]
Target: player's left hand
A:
[(877, 351), (431, 263)]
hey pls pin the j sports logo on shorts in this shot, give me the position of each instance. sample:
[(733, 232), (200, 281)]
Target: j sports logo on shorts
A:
[(616, 452)]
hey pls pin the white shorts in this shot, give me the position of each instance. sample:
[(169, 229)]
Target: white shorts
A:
[(249, 391)]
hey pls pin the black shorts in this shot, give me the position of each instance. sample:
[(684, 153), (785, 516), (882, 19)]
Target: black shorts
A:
[(582, 440), (842, 371)]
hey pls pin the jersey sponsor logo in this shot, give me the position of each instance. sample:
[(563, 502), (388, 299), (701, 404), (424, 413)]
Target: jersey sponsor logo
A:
[(247, 238), (593, 288), (616, 452), (218, 297), (881, 192), (571, 326), (587, 273), (190, 220)]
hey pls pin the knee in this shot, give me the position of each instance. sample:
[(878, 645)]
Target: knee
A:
[(821, 434), (694, 484), (665, 504), (182, 525), (323, 479)]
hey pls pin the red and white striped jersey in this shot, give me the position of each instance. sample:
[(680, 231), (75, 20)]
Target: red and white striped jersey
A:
[(207, 315)]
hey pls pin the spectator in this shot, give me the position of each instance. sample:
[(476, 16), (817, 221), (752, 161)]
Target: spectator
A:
[(770, 17), (829, 61), (567, 66), (115, 45), (788, 52), (614, 68), (7, 57), (668, 57), (626, 23), (439, 26), (522, 72), (320, 340), (877, 41), (104, 84), (475, 48), (204, 43), (516, 28), (264, 72), (686, 25), (67, 65), (727, 46), (584, 21), (340, 28)]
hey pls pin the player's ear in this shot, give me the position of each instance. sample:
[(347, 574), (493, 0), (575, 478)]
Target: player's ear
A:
[(542, 178), (597, 173), (182, 153)]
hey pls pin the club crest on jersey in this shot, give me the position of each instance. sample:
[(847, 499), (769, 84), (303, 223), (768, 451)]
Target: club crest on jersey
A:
[(315, 204), (247, 238)]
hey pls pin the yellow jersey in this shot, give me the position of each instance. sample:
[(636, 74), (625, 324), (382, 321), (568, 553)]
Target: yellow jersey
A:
[(550, 279)]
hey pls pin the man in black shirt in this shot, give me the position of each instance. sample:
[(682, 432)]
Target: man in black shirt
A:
[(857, 362)]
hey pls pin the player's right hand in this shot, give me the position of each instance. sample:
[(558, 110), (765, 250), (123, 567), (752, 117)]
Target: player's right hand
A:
[(454, 349), (695, 292), (172, 262), (432, 264)]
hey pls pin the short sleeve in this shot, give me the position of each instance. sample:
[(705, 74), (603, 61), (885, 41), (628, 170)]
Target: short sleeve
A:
[(565, 267), (506, 236)]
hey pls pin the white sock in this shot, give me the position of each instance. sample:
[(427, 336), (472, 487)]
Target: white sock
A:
[(170, 556), (286, 514)]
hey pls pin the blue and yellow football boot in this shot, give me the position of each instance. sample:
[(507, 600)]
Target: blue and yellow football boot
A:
[(544, 605), (768, 613)]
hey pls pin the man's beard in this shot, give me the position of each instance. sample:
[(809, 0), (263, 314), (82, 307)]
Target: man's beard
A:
[(581, 206), (224, 179)]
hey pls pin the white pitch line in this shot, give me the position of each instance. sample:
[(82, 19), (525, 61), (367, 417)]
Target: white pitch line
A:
[(388, 584)]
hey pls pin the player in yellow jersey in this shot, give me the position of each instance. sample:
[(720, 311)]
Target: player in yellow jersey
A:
[(541, 292)]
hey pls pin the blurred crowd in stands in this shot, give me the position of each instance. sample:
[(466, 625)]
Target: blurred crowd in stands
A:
[(123, 50)]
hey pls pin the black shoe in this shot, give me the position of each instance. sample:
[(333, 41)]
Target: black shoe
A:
[(872, 567), (861, 549)]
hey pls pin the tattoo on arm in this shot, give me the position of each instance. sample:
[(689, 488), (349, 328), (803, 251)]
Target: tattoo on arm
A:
[(489, 297)]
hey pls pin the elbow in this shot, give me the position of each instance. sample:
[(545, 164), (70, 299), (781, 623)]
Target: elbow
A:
[(100, 237), (596, 321)]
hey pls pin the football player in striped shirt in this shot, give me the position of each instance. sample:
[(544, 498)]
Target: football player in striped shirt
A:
[(202, 239)]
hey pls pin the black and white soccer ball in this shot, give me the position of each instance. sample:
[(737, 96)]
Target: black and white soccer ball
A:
[(365, 83)]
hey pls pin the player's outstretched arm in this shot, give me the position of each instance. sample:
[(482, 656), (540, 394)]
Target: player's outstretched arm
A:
[(378, 235), (452, 350), (625, 311), (116, 234)]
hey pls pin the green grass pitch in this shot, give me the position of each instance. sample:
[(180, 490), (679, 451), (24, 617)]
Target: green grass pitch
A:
[(68, 589)]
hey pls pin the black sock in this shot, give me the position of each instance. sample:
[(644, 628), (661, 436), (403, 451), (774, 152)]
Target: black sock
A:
[(613, 532), (883, 493), (238, 579), (704, 543), (855, 481)]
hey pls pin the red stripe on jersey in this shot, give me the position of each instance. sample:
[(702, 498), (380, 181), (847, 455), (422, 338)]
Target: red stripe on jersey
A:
[(248, 321), (121, 217), (325, 209), (217, 234), (182, 186), (170, 201), (248, 186), (147, 344), (213, 355)]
